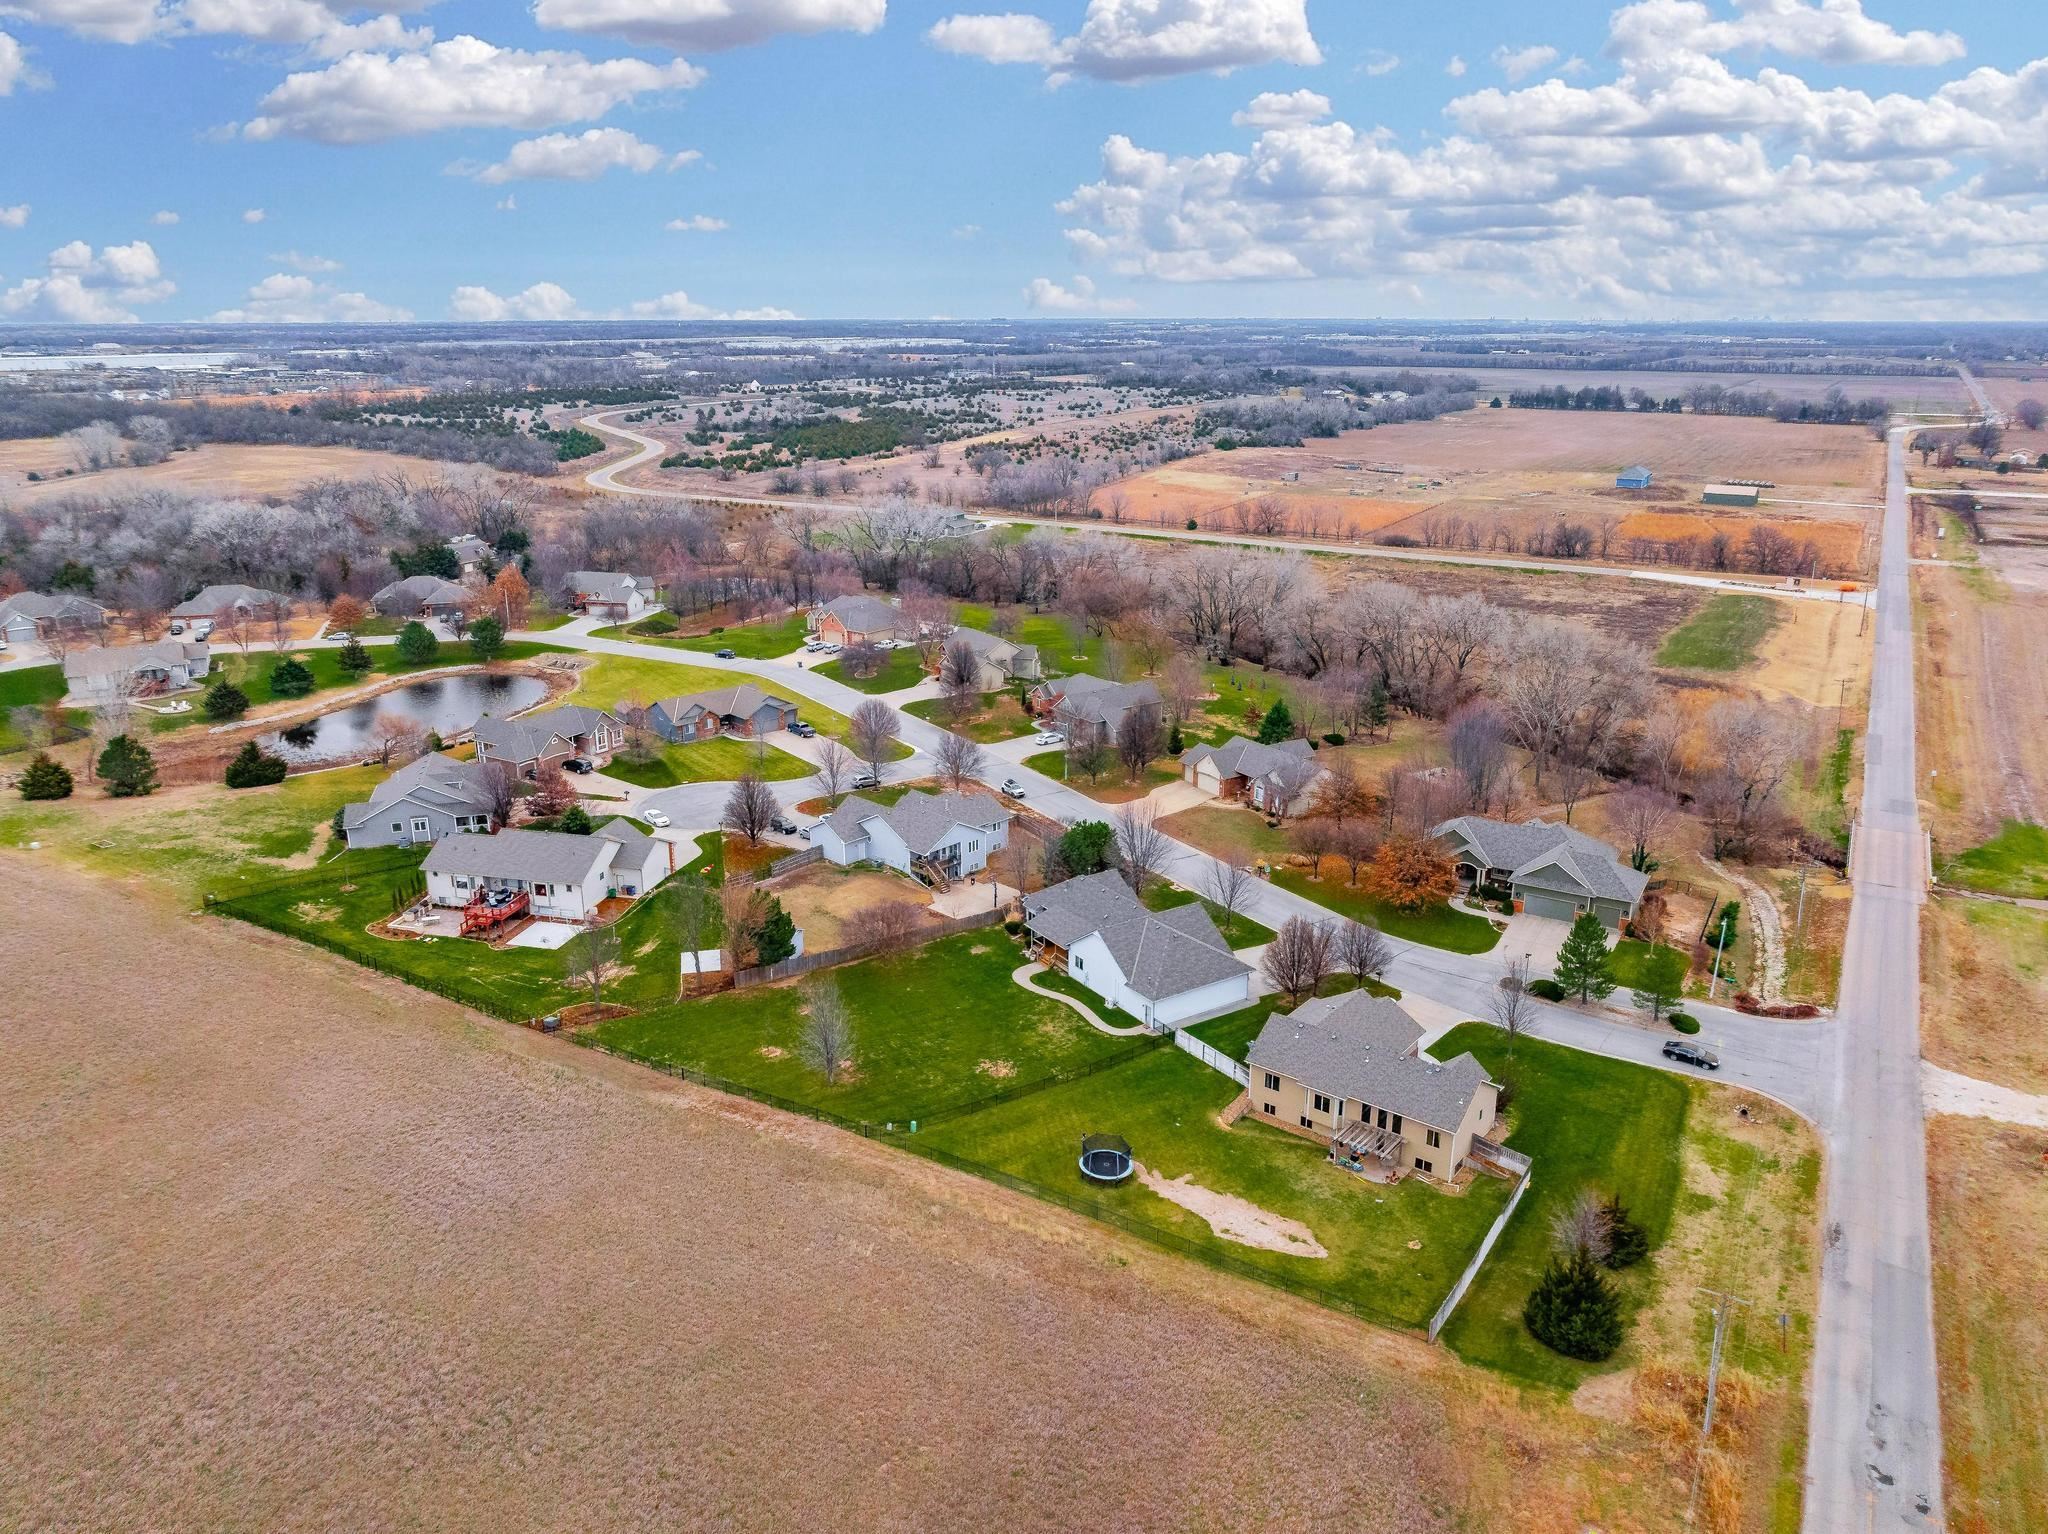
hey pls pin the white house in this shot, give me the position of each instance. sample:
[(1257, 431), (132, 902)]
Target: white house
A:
[(938, 837), (428, 798), (134, 670), (564, 877), (606, 594), (1165, 968)]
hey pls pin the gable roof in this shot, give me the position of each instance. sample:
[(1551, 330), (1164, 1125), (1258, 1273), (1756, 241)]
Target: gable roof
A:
[(119, 660), (1527, 848), (421, 591), (1238, 757), (468, 547), (58, 607), (526, 738), (1364, 1049), (863, 614), (539, 857), (1161, 953), (216, 599), (433, 781), (1097, 701), (607, 585), (741, 701), (922, 820)]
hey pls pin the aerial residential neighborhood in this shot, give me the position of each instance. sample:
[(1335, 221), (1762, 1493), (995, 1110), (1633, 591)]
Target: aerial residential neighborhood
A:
[(1312, 793)]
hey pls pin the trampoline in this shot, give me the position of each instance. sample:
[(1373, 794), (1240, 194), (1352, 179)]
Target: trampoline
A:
[(1105, 1158)]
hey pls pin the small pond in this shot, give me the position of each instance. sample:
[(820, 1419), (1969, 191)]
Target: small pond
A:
[(446, 705)]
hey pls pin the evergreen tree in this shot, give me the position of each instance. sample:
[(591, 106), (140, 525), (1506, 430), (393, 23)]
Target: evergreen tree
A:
[(1627, 1242), (486, 638), (290, 678), (1585, 966), (1573, 1309), (576, 820), (224, 700), (45, 778), (1174, 743), (255, 768), (1278, 725), (1376, 706), (354, 658), (127, 768), (417, 645), (775, 939), (1085, 847)]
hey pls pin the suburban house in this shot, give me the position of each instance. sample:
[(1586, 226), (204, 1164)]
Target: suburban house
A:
[(550, 737), (428, 798), (935, 837), (1270, 778), (1550, 870), (422, 596), (220, 603), (30, 615), (1002, 661), (560, 877), (134, 670), (1086, 708), (603, 594), (743, 710), (471, 553), (1165, 968), (860, 619), (1350, 1071)]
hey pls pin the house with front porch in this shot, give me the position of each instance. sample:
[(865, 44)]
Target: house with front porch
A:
[(106, 672), (936, 838), (1000, 662), (745, 710), (422, 596), (428, 798), (609, 594), (1350, 1072), (1548, 869), (1272, 778), (1165, 968), (549, 738), (558, 876), (860, 619)]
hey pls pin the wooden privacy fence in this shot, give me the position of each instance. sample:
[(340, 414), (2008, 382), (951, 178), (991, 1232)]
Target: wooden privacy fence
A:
[(794, 861), (917, 937)]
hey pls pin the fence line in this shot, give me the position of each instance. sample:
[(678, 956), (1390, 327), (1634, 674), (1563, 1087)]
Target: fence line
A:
[(1443, 1311), (794, 861), (1213, 1057), (1143, 1045), (917, 937)]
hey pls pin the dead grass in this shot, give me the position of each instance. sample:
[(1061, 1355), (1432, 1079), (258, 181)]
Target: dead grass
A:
[(833, 906), (1985, 1011), (1987, 1192), (1982, 704), (375, 1263), (237, 468)]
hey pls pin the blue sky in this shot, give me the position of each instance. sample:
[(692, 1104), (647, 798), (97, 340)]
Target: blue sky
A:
[(901, 159)]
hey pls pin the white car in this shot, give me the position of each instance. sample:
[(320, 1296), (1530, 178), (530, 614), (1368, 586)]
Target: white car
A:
[(833, 649), (1049, 738), (654, 817)]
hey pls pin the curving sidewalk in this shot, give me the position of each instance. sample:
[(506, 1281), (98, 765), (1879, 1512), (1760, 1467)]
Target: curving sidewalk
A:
[(1022, 975)]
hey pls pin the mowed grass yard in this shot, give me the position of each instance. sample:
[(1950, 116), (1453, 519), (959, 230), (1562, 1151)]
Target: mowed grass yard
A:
[(998, 716), (1058, 654), (1635, 964), (718, 760), (617, 679), (933, 1028), (1439, 926), (750, 641), (29, 687), (902, 669), (2014, 862), (1723, 635)]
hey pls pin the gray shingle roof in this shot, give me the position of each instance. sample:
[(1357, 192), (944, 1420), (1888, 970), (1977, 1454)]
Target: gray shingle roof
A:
[(441, 782), (1097, 701), (1238, 757), (120, 659), (1525, 848), (863, 614), (526, 739), (741, 701), (1162, 953), (608, 585), (539, 857), (214, 599), (921, 819), (66, 606), (1362, 1048), (417, 591)]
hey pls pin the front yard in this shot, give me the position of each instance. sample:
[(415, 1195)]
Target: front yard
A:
[(1635, 965), (1112, 786), (901, 669), (998, 716), (617, 679), (718, 760), (751, 641), (1438, 926)]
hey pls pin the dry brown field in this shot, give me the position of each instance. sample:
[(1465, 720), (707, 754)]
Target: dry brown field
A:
[(1932, 391), (832, 905), (228, 468), (1986, 1014)]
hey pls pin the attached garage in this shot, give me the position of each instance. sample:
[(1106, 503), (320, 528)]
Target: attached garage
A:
[(1540, 903)]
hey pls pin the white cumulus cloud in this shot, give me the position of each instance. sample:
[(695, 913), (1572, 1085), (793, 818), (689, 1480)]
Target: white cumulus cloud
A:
[(1280, 109), (1456, 67), (91, 287), (1833, 31), (709, 25), (313, 25), (463, 82), (14, 217), (285, 299), (1133, 40), (542, 301), (1077, 296), (1520, 63), (1380, 62), (114, 21), (576, 157), (680, 306), (163, 218), (14, 68), (298, 261), (696, 223)]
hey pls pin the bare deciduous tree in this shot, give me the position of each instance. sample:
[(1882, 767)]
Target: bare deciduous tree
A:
[(1298, 957), (589, 958), (749, 808), (1641, 814), (959, 759), (1355, 841), (1138, 739), (394, 736), (874, 733), (890, 920), (1140, 845), (500, 782), (741, 911), (693, 905), (1288, 782), (1364, 950), (825, 1043), (1478, 740), (1231, 885), (1582, 1227), (1313, 839), (835, 768), (1511, 1005)]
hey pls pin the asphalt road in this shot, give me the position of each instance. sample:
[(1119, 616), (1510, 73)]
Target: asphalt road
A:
[(1874, 1441)]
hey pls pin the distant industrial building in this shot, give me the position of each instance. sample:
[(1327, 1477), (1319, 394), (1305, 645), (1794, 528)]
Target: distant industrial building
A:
[(1637, 478), (1730, 495)]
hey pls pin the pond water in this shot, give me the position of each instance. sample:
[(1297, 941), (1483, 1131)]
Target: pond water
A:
[(446, 705)]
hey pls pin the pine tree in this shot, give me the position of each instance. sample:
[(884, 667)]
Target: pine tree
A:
[(776, 938), (1627, 1242), (354, 658), (224, 700), (290, 678), (45, 778), (417, 645), (127, 768), (1278, 725), (1174, 743), (486, 638), (1573, 1309), (1376, 706), (254, 767), (1584, 963), (576, 820)]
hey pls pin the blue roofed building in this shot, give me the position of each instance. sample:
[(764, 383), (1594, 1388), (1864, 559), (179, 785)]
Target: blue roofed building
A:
[(1637, 478)]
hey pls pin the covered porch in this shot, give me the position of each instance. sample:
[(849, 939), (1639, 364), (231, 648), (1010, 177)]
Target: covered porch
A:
[(1371, 1152)]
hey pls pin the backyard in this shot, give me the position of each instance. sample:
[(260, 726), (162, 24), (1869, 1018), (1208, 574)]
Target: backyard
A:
[(1723, 635)]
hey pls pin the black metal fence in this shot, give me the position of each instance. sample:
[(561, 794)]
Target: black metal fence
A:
[(916, 937)]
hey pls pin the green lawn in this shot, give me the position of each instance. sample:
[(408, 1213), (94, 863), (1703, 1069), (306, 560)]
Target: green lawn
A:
[(1053, 636), (718, 760), (1723, 635), (751, 641), (619, 679), (902, 669), (933, 1028), (1112, 787), (1165, 1103), (1235, 835), (512, 982), (1238, 931), (999, 716), (30, 686), (1634, 964), (2014, 862), (1439, 926), (1588, 1122), (1234, 1031)]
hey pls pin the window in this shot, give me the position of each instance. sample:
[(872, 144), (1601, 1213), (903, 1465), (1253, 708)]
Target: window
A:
[(1307, 1122), (543, 890), (1397, 1124), (1271, 1110), (1383, 1118), (1322, 1103), (974, 846), (1424, 1166), (1272, 1082), (398, 826), (461, 882), (1435, 1140), (1078, 964)]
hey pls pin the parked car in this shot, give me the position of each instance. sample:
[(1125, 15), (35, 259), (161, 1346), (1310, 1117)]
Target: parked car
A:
[(867, 780), (782, 825), (1685, 1052), (654, 817), (202, 628), (1013, 788), (813, 646), (1049, 738), (723, 654), (579, 764), (178, 627), (341, 636), (803, 731), (805, 833), (833, 649)]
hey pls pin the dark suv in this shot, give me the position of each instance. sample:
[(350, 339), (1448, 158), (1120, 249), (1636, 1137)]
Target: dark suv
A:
[(579, 764), (1685, 1052)]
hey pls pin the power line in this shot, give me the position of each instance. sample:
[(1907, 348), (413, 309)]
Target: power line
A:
[(1725, 1307)]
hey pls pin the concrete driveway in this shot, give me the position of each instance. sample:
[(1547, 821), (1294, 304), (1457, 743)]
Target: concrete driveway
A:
[(1539, 937)]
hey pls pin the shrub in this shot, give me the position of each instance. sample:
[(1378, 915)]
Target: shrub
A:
[(290, 678), (1334, 738), (1725, 925), (1547, 990), (1627, 1242), (576, 820), (1191, 521), (416, 644), (45, 778), (1684, 1022), (127, 769), (254, 767), (1573, 1309), (1278, 725), (224, 700), (1012, 926)]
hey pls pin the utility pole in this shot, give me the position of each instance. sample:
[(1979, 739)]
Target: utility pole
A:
[(1725, 1305)]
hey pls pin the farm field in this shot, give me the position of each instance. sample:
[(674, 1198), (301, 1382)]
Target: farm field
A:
[(409, 1180), (233, 468), (1983, 1011), (1914, 390)]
